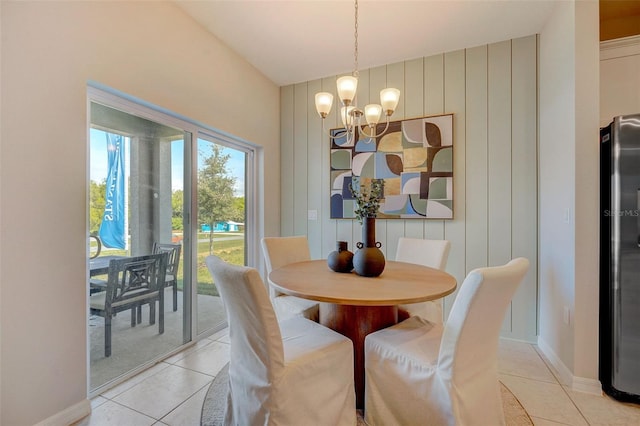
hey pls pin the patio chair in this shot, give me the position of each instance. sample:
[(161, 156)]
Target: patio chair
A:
[(131, 283), (173, 260)]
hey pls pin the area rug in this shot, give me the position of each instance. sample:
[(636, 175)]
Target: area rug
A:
[(216, 399)]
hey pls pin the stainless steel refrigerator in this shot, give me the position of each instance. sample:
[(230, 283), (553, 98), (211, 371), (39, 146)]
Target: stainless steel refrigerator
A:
[(620, 258)]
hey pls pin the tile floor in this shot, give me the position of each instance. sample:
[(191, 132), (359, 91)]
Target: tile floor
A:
[(179, 385)]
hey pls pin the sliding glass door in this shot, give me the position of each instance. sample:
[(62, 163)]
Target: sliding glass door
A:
[(155, 178)]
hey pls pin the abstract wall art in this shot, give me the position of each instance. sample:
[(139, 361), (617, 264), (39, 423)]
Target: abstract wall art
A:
[(415, 159)]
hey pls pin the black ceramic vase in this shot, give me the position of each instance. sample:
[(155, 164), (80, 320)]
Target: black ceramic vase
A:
[(369, 259), (340, 260)]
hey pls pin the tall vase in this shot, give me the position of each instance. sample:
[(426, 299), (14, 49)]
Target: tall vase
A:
[(368, 261)]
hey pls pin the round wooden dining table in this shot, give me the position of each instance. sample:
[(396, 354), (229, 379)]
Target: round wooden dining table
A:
[(355, 306)]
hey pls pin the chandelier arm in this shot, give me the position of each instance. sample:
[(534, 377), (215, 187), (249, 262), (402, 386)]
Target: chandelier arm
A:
[(348, 130), (355, 36), (373, 134)]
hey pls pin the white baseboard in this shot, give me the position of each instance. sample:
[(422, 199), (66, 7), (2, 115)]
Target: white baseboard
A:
[(69, 415), (579, 384)]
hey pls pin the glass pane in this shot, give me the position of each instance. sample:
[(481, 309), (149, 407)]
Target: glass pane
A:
[(221, 222), (136, 208)]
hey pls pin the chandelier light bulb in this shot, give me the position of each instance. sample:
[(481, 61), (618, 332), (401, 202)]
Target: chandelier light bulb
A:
[(389, 99), (347, 87), (324, 100), (372, 113)]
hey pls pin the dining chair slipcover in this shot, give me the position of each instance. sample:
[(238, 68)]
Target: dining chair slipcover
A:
[(431, 253), (291, 372), (418, 372), (281, 251)]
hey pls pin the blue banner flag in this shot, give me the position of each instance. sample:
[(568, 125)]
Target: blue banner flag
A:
[(112, 230)]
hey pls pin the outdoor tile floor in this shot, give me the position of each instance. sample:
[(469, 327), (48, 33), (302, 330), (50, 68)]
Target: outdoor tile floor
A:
[(179, 385)]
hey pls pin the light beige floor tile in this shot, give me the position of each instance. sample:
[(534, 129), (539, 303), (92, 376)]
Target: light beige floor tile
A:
[(159, 394), (544, 400), (603, 410), (193, 348), (112, 414), (115, 391), (208, 360), (188, 413), (222, 334), (515, 345), (543, 422), (522, 360), (555, 372)]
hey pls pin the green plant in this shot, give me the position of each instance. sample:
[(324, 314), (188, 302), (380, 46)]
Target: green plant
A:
[(367, 199)]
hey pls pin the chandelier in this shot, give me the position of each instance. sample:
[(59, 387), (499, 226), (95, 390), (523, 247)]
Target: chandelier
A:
[(351, 115)]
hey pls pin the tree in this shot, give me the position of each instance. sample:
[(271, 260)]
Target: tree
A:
[(215, 191), (238, 210), (177, 198)]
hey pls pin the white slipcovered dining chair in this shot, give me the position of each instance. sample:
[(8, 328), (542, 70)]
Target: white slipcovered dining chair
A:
[(431, 253), (281, 251), (418, 372), (290, 372)]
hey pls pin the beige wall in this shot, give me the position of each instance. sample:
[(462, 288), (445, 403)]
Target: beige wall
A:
[(150, 50), (492, 92), (569, 193)]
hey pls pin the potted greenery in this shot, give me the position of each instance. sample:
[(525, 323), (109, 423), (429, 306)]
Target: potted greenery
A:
[(368, 260), (367, 200)]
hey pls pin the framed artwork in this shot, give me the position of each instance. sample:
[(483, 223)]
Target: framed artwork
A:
[(414, 157)]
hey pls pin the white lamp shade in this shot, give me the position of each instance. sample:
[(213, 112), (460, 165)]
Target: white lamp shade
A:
[(347, 86), (372, 113), (389, 99), (347, 117), (324, 100)]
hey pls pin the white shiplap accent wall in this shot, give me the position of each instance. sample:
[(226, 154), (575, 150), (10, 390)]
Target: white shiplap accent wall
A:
[(492, 92)]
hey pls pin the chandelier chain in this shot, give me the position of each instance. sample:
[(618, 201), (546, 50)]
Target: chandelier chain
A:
[(355, 34)]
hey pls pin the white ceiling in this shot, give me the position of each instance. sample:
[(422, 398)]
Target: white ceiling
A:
[(292, 41)]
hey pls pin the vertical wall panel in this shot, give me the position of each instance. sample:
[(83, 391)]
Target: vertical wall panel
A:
[(476, 158), (300, 160), (434, 105), (413, 96), (499, 153), (524, 183), (499, 158), (286, 160), (329, 236), (454, 67), (395, 78), (314, 170), (492, 93)]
